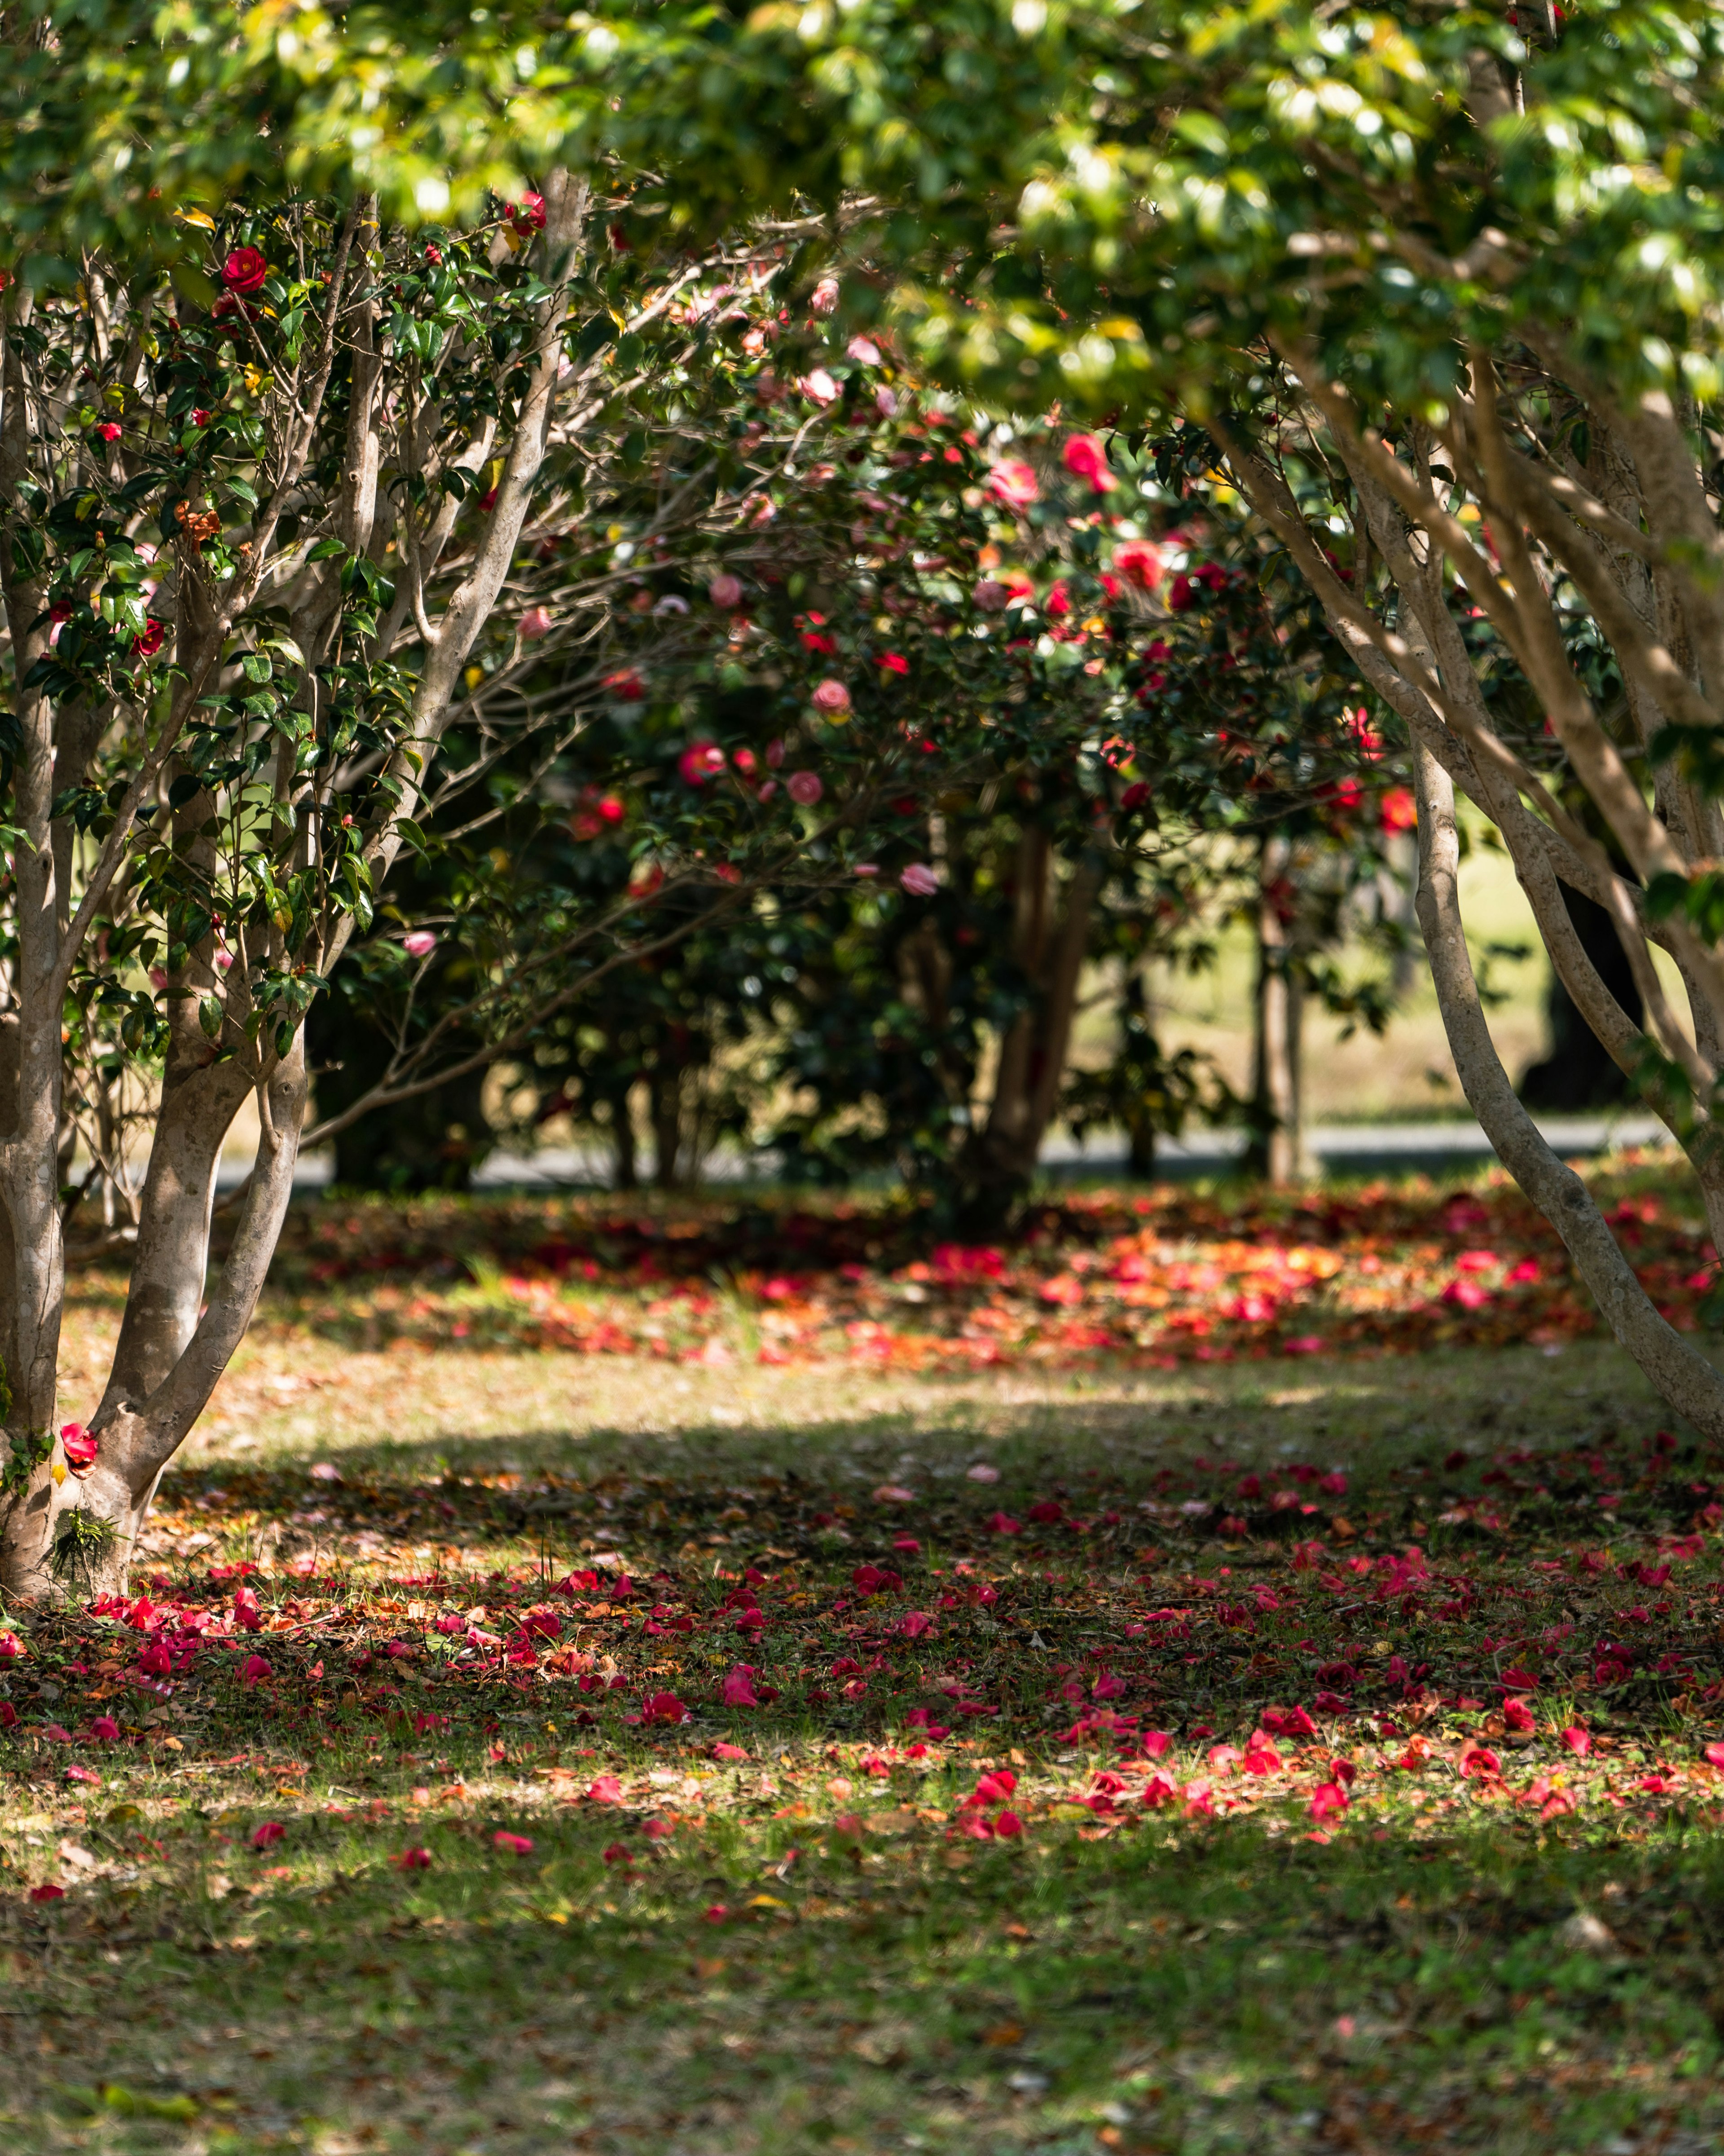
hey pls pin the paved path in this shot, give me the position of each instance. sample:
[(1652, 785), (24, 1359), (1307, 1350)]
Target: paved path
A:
[(1337, 1149)]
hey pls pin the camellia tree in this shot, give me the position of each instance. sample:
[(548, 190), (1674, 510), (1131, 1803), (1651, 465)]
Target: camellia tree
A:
[(1441, 284), (295, 356)]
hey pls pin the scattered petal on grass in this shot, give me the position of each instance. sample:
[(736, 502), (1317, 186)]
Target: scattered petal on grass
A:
[(413, 1860), (267, 1835), (48, 1893), (517, 1844)]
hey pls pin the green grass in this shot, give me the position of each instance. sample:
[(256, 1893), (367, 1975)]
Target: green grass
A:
[(1440, 1966)]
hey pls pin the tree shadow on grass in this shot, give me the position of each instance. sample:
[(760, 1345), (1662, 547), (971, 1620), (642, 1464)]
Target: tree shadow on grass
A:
[(751, 1982)]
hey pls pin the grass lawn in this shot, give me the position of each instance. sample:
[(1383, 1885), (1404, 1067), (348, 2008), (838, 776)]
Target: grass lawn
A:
[(1299, 1753)]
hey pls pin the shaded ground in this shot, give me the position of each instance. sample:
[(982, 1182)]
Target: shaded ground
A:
[(1260, 1755)]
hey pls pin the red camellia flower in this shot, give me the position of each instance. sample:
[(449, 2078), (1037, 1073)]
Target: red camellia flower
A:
[(150, 642), (80, 1448), (1135, 795), (663, 1707), (700, 761), (1398, 811), (244, 270), (527, 216), (1139, 563), (413, 1860), (268, 1835), (1084, 458), (108, 431)]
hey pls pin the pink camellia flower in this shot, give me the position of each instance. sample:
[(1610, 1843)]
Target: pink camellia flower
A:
[(105, 1730), (417, 943), (244, 270), (867, 869), (864, 351), (919, 880), (739, 1686), (108, 431), (832, 700), (535, 622), (700, 761), (527, 216), (818, 387), (79, 1447), (1013, 483), (1084, 458), (433, 254), (825, 299), (885, 402), (775, 755), (1139, 563), (805, 787), (725, 591)]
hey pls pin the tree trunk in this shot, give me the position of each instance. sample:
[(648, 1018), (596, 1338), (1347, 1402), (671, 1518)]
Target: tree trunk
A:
[(1000, 1160), (627, 1176), (1276, 1150), (1679, 1374), (667, 1127)]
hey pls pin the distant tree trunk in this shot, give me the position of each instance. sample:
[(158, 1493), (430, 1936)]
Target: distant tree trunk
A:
[(1580, 1072), (1000, 1160), (1276, 1149), (667, 1127), (1140, 1122), (622, 1139)]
